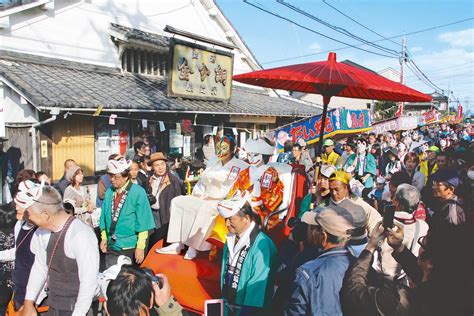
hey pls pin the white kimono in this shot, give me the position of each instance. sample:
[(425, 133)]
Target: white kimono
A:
[(192, 216)]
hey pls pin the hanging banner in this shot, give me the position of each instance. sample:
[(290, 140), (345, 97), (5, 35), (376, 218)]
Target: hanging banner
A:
[(451, 119), (402, 123), (338, 121), (428, 117)]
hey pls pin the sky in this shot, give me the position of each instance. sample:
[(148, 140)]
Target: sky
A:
[(445, 55)]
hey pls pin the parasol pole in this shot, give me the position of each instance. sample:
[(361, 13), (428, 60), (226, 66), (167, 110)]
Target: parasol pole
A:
[(326, 100)]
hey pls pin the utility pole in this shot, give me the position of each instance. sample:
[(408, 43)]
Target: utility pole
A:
[(449, 96), (402, 64), (403, 59)]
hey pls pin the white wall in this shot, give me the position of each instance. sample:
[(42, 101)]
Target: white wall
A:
[(14, 111), (78, 30), (391, 74), (338, 102)]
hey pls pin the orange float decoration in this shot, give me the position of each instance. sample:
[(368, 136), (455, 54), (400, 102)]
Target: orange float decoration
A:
[(194, 281)]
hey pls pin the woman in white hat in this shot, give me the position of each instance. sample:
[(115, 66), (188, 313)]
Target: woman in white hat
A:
[(79, 195)]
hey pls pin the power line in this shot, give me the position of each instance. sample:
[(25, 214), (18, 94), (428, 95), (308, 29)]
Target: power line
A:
[(353, 20), (423, 78), (420, 77), (461, 77), (460, 74), (447, 70), (381, 40), (420, 71), (337, 28), (313, 31)]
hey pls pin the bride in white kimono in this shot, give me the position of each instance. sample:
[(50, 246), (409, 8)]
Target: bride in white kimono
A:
[(192, 216)]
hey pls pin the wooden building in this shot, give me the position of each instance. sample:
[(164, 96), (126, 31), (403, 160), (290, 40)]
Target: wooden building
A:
[(55, 75)]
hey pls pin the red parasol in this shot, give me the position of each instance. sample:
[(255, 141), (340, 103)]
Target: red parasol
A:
[(331, 78)]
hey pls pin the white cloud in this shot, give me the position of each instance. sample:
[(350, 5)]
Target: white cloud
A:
[(463, 38), (416, 49), (314, 47), (456, 71)]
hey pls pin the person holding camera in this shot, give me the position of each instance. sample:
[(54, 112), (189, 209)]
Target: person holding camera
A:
[(140, 292), (441, 276), (405, 202), (163, 188), (126, 216)]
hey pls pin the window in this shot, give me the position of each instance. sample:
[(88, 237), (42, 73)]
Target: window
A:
[(144, 62)]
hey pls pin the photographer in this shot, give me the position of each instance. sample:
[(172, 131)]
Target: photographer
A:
[(441, 277), (138, 292)]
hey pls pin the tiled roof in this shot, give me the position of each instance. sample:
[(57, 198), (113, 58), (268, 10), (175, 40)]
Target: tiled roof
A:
[(49, 82), (131, 34)]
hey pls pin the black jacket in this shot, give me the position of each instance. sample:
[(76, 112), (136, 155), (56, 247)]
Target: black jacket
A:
[(170, 188)]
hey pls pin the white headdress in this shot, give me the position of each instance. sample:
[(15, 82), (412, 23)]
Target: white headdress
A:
[(232, 206), (118, 166)]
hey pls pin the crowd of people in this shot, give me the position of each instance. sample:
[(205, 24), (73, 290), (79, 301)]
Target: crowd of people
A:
[(385, 229)]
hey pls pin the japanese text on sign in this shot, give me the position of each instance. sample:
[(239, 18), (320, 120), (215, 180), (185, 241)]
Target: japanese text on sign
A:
[(337, 121), (199, 72)]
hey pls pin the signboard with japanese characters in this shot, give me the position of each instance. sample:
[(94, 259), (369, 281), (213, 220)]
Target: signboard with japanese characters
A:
[(338, 121), (199, 72)]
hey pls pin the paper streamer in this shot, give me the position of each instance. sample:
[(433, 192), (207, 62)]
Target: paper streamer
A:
[(112, 119), (162, 126), (178, 128)]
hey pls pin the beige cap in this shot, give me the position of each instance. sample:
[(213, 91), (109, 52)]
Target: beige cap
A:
[(70, 172), (335, 220)]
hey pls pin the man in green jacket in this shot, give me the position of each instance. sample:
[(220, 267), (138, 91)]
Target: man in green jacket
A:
[(126, 216), (248, 262)]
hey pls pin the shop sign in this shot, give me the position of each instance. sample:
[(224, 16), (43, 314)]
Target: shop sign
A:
[(199, 72), (338, 121)]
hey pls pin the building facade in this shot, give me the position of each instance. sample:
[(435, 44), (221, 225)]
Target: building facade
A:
[(84, 79)]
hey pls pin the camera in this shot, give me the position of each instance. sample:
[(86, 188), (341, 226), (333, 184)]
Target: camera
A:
[(154, 278)]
